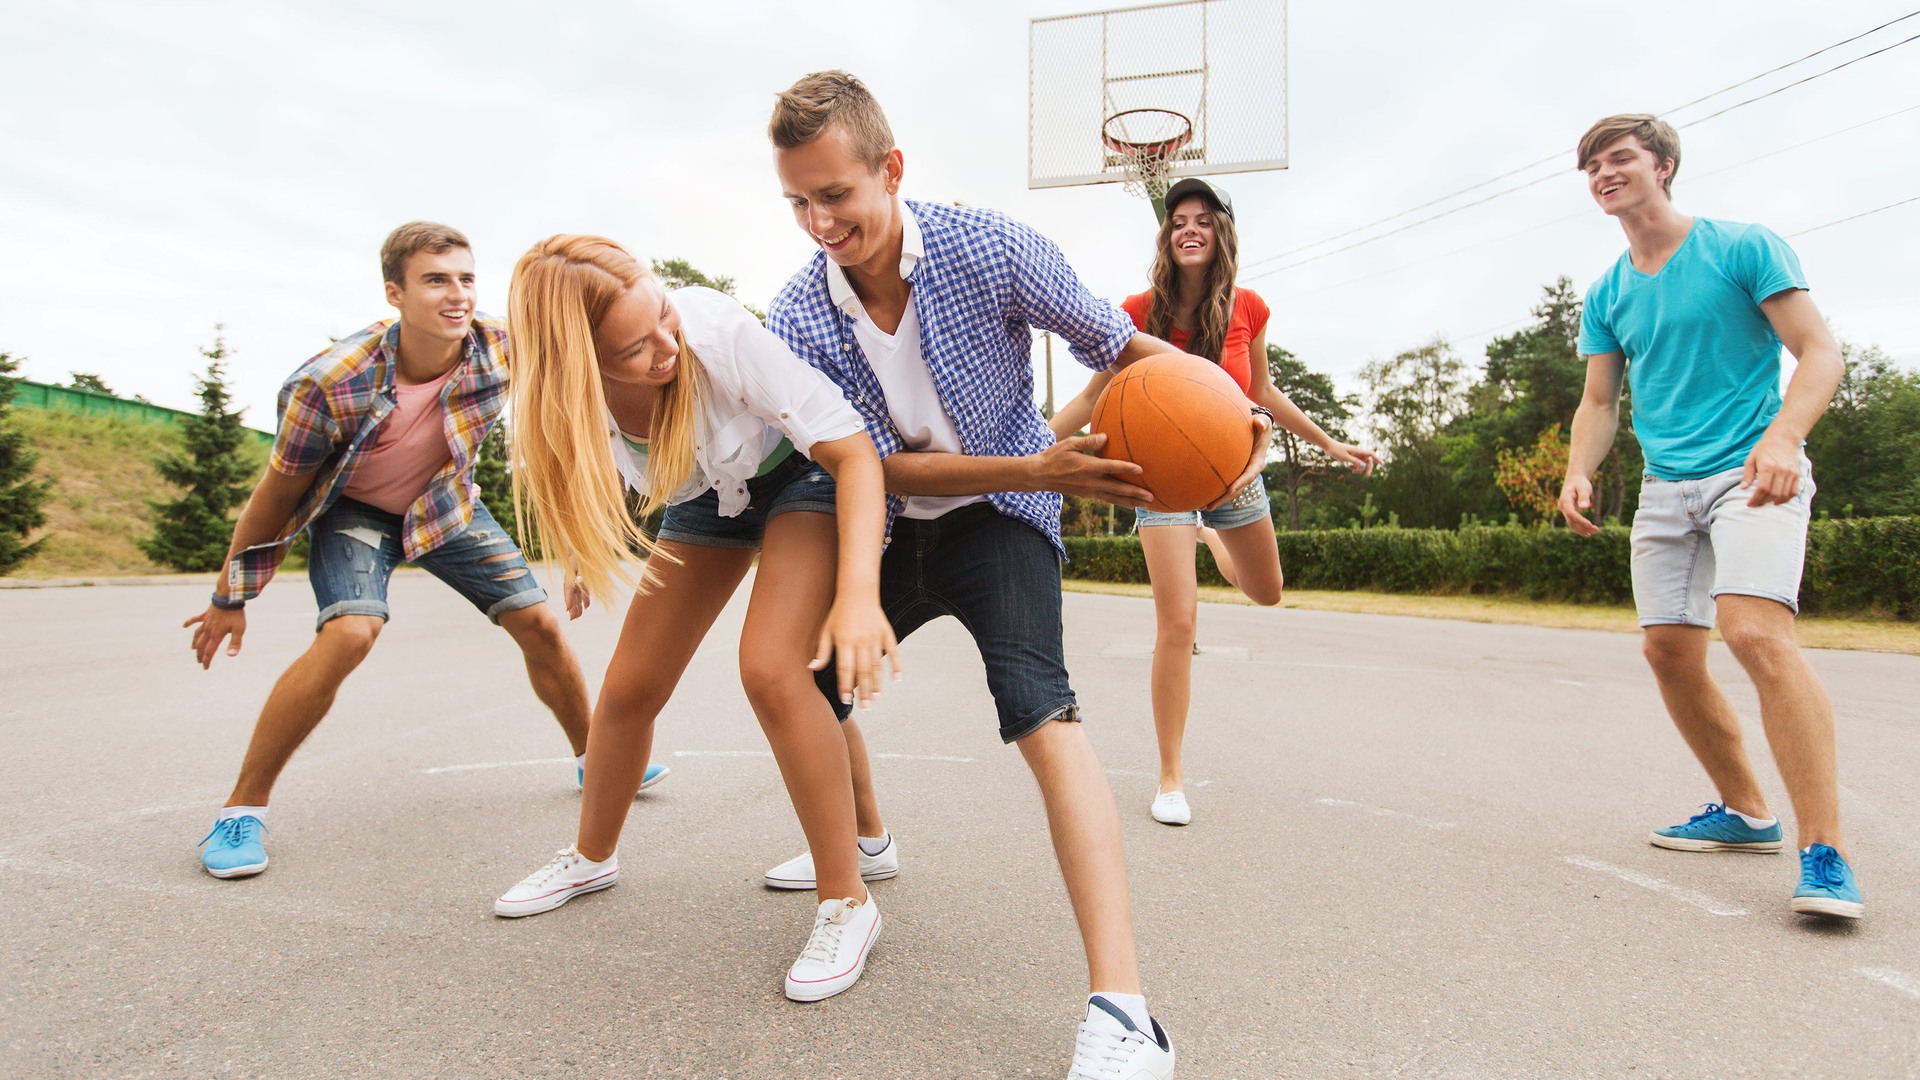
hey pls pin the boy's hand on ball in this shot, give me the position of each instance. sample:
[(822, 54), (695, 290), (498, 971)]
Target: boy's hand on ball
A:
[(1072, 467)]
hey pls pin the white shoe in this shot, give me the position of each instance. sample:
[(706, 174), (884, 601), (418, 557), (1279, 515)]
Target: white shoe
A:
[(1170, 808), (843, 933), (1110, 1047), (568, 875), (797, 872)]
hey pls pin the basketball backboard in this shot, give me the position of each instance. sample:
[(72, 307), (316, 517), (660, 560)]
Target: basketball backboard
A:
[(1103, 82)]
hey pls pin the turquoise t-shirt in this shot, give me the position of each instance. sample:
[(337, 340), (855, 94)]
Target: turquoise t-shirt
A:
[(1702, 360)]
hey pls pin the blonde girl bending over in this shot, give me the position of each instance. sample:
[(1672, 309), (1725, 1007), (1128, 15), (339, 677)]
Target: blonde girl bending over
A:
[(685, 399)]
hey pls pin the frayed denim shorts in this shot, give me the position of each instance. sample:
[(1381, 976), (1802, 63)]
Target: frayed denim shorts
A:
[(1249, 506), (794, 484), (355, 548)]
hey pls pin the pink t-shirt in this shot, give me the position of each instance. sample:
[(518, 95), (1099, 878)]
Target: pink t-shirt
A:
[(409, 448)]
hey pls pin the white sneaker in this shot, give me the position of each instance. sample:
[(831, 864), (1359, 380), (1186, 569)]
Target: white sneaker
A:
[(568, 875), (797, 872), (1110, 1047), (843, 932), (1170, 808)]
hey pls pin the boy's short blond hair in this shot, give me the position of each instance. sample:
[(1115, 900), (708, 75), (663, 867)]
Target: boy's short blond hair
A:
[(818, 101), (1654, 133), (415, 236)]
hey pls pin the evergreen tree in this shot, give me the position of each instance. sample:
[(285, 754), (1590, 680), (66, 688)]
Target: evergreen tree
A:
[(1301, 467), (91, 383), (193, 531), (20, 494), (493, 475)]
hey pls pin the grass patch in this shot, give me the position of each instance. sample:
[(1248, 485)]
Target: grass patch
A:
[(103, 477), (1868, 634)]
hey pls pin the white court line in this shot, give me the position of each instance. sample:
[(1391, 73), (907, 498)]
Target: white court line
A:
[(1899, 980), (925, 757), (1569, 682), (1381, 811), (496, 765), (1687, 896)]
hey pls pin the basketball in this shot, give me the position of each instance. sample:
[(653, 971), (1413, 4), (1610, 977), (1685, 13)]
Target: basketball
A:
[(1184, 422)]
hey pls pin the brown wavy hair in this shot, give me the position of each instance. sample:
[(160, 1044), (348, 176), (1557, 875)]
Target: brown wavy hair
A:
[(567, 490), (1215, 309)]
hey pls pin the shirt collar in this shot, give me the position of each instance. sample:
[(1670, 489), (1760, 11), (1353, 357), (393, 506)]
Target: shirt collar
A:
[(912, 250)]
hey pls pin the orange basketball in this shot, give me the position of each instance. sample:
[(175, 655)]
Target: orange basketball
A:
[(1184, 422)]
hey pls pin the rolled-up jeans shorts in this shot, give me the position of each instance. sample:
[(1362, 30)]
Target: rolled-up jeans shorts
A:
[(355, 548), (794, 484), (1249, 506), (1695, 540)]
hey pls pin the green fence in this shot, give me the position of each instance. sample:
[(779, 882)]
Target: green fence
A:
[(69, 399)]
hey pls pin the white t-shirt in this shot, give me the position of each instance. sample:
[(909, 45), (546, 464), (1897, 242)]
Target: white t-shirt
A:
[(913, 401), (758, 393)]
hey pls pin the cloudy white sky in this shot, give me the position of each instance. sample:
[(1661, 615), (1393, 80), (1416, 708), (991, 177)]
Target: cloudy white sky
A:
[(170, 166)]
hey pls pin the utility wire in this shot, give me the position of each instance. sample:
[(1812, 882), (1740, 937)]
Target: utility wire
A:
[(1853, 217), (1557, 155)]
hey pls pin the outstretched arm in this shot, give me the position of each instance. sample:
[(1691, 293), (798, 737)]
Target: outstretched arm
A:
[(1290, 417), (1594, 425)]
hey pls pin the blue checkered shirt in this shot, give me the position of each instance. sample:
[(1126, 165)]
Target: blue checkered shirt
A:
[(984, 283)]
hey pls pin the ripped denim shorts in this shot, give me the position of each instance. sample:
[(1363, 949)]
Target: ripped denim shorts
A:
[(355, 547)]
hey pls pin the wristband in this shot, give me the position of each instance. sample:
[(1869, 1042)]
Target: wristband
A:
[(227, 603), (1262, 410)]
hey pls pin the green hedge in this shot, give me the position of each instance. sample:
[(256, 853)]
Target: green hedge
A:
[(1867, 565)]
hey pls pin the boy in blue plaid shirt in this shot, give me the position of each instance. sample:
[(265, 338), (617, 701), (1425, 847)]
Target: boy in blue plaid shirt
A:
[(922, 313)]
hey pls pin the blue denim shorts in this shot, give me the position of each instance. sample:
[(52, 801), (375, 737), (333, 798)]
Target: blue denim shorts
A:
[(1697, 540), (999, 577), (355, 548), (1246, 508), (794, 484)]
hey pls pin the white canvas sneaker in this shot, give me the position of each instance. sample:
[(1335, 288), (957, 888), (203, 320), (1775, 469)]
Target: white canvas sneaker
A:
[(1170, 808), (797, 872), (1110, 1047), (843, 932), (568, 875)]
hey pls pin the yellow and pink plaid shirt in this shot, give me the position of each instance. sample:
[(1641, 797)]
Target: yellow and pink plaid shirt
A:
[(329, 411)]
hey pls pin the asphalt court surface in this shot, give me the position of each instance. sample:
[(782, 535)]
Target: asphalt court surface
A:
[(1418, 850)]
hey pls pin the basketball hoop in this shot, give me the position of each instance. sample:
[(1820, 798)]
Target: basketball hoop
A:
[(1146, 142)]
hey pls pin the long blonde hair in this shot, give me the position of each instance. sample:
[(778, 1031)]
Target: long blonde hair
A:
[(1215, 310), (567, 491)]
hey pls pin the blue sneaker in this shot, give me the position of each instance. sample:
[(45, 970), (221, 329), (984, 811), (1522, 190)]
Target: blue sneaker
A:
[(234, 848), (1826, 885), (654, 774), (1716, 829)]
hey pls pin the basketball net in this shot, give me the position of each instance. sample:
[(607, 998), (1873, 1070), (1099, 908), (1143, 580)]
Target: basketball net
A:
[(1146, 143)]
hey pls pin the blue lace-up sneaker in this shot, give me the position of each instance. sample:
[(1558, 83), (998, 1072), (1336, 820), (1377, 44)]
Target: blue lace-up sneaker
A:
[(1826, 885), (1716, 829), (234, 848), (654, 774)]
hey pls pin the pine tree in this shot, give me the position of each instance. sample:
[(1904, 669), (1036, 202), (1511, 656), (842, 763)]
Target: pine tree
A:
[(20, 494), (192, 532), (493, 475)]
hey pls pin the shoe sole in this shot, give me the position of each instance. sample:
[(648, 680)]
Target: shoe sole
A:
[(645, 784), (820, 991), (236, 871), (795, 884), (1681, 843), (523, 908), (1830, 906)]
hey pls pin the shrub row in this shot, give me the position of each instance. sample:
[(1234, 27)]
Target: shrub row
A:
[(1867, 565)]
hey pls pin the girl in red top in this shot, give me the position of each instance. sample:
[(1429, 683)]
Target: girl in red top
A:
[(1194, 305)]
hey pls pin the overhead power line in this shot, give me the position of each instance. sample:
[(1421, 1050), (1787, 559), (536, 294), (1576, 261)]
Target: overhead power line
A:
[(1854, 217), (1558, 155)]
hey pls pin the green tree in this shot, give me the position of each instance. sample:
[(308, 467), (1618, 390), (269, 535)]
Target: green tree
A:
[(1414, 399), (90, 383), (1302, 467), (1866, 450), (679, 273), (21, 496), (493, 474), (192, 532)]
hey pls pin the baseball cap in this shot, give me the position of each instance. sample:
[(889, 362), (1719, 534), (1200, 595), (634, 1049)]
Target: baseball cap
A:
[(1193, 185)]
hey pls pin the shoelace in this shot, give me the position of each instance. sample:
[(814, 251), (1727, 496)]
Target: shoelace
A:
[(824, 943), (1098, 1053), (561, 861), (235, 832), (1823, 870), (1707, 810)]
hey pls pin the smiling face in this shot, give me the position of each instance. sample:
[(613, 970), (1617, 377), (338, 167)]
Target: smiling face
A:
[(840, 202), (437, 297), (1191, 239), (1624, 175), (634, 339)]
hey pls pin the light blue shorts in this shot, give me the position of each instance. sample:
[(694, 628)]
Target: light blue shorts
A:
[(1249, 506), (1694, 540)]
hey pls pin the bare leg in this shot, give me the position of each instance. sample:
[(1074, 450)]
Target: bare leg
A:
[(1222, 558), (1255, 553), (1086, 840), (1678, 656), (1793, 708), (551, 668), (1169, 553), (664, 626), (299, 700), (866, 804), (791, 595)]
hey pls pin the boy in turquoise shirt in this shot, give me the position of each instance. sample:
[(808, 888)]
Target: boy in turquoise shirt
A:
[(1694, 315)]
